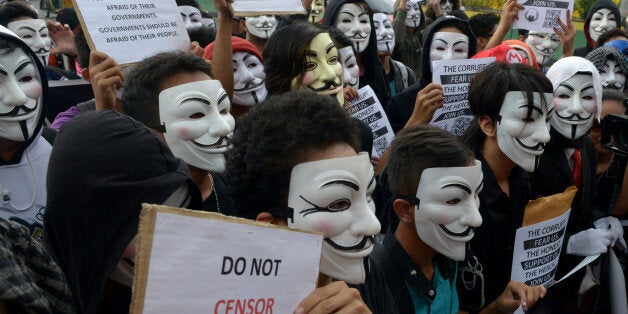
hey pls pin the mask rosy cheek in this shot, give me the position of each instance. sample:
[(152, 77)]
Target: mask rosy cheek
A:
[(308, 79), (33, 90), (325, 226), (556, 105), (183, 133)]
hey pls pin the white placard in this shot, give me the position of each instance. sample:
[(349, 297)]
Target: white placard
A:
[(455, 77), (268, 7), (367, 108), (130, 31), (203, 265), (540, 15), (537, 251)]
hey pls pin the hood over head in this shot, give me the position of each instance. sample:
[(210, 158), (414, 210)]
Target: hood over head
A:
[(428, 34), (103, 166), (600, 4), (599, 56), (8, 39)]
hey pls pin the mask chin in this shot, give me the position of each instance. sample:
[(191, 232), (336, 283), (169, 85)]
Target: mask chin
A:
[(350, 270)]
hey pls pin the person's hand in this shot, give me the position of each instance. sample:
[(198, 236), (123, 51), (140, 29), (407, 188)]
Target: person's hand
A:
[(106, 77), (222, 7), (589, 242), (196, 49), (427, 101), (567, 33), (402, 4), (510, 13), (335, 297), (435, 5), (518, 294), (613, 225), (374, 161), (350, 94), (63, 37)]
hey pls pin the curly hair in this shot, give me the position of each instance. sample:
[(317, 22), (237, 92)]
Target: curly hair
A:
[(140, 96), (275, 136)]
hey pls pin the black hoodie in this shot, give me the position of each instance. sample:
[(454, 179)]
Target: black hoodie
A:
[(373, 70), (597, 5), (102, 167), (400, 107)]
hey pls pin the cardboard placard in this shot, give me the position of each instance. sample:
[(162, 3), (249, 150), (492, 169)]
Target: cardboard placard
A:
[(130, 31), (199, 262), (367, 108), (266, 7), (455, 76), (540, 15)]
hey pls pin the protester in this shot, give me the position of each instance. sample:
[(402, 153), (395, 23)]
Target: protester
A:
[(408, 20), (25, 145), (483, 26), (525, 51), (317, 11), (259, 29), (544, 45), (438, 8), (398, 76), (603, 15), (349, 62), (318, 182), (612, 66), (191, 16), (511, 103)]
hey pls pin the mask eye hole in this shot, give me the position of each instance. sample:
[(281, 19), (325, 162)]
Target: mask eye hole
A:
[(453, 201), (198, 115), (341, 204)]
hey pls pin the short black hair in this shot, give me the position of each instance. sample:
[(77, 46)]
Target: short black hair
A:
[(68, 16), (204, 35), (140, 96), (483, 24), (277, 135), (11, 11), (417, 148)]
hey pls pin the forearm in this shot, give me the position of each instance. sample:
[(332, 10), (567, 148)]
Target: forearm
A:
[(222, 64), (399, 25)]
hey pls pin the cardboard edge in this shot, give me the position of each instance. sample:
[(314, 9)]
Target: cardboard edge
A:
[(146, 229), (537, 216), (84, 28)]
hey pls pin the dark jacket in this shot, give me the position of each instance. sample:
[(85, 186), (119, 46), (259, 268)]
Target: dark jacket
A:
[(373, 71), (400, 107), (103, 166), (599, 4)]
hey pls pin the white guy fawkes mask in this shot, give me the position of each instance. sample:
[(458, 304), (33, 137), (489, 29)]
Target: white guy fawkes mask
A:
[(543, 45), (523, 129), (385, 33), (333, 196), (612, 76), (198, 123), (20, 95), (351, 70), (448, 46), (191, 16), (355, 22), (602, 21), (209, 22), (261, 26), (448, 207), (35, 34), (446, 6), (317, 11), (248, 79), (323, 69), (413, 16), (575, 104)]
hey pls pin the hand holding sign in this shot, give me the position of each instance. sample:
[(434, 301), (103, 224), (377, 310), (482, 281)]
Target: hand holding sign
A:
[(541, 15), (107, 79), (335, 297), (518, 294), (427, 101)]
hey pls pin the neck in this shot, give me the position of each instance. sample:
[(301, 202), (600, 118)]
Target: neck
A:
[(9, 148), (259, 43), (238, 110), (385, 59), (500, 164), (421, 254), (201, 178)]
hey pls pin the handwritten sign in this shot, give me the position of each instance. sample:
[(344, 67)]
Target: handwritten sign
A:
[(266, 7), (129, 31), (198, 262), (540, 15), (369, 110), (455, 77)]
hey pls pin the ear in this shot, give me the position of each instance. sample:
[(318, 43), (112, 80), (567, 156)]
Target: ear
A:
[(269, 218), (404, 210), (487, 125), (522, 38), (482, 42)]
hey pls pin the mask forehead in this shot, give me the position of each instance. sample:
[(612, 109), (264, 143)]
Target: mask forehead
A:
[(197, 123), (248, 79), (354, 20), (448, 207), (20, 95), (333, 196), (323, 69), (351, 70), (261, 26), (523, 129), (601, 21), (191, 16), (35, 34)]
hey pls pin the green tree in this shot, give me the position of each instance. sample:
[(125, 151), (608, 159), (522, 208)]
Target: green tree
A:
[(581, 7)]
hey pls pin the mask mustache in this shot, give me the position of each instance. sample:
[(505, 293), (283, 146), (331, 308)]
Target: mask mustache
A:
[(385, 37), (539, 146), (42, 51), (265, 25), (358, 35), (15, 111), (249, 85), (356, 247), (328, 85), (465, 233), (574, 117), (222, 141)]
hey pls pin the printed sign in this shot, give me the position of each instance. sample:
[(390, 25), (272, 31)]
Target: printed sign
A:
[(198, 262), (369, 110), (266, 7), (540, 15), (130, 31), (455, 77)]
